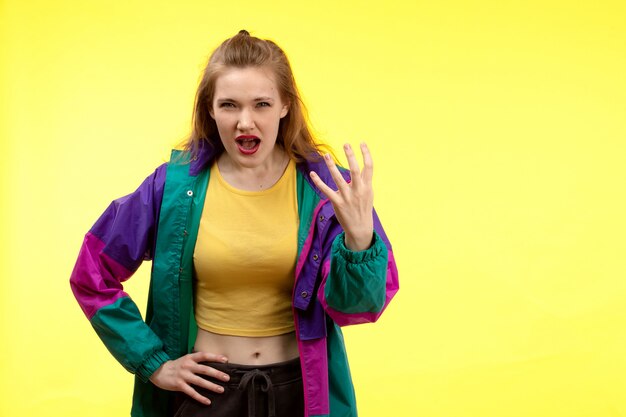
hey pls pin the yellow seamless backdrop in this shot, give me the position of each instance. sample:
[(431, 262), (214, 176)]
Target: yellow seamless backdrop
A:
[(498, 133)]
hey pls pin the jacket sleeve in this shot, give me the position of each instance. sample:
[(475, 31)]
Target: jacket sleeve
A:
[(357, 286), (111, 252)]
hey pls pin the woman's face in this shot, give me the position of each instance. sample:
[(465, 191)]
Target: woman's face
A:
[(247, 109)]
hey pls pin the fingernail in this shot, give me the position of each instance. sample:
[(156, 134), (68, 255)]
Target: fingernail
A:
[(224, 359), (225, 377), (327, 157)]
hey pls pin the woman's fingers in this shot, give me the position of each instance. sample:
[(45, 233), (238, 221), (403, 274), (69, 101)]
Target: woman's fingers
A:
[(200, 369), (368, 164), (195, 379), (188, 370), (334, 172), (326, 190), (187, 389), (198, 381), (207, 357), (212, 372), (355, 171), (352, 202), (359, 178)]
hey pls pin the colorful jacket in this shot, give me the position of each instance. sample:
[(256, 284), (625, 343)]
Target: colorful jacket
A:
[(159, 221)]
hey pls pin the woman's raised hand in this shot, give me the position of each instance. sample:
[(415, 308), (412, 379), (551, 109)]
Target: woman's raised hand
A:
[(179, 374), (353, 202)]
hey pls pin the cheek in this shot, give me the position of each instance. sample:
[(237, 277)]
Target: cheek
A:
[(223, 121), (276, 119)]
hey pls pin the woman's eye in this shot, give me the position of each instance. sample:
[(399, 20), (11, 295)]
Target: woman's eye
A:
[(227, 105), (263, 104)]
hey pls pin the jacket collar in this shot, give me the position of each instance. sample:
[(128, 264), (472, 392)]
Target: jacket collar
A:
[(206, 154)]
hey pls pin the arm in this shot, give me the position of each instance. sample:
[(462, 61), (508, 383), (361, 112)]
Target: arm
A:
[(361, 277), (357, 286), (112, 251)]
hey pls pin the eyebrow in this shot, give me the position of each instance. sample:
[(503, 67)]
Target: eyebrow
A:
[(221, 99)]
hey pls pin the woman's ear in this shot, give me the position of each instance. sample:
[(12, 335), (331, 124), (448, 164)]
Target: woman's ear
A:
[(284, 110), (211, 113)]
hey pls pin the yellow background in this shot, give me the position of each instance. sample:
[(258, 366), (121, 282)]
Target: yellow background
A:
[(498, 133)]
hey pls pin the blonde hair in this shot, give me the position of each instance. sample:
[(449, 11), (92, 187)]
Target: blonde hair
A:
[(241, 51)]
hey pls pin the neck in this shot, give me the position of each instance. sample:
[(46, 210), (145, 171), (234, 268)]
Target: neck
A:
[(254, 178)]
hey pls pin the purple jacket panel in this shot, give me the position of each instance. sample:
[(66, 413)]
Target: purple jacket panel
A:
[(318, 232), (110, 253), (131, 249), (312, 319)]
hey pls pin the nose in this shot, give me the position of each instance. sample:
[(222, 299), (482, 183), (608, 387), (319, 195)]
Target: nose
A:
[(245, 121)]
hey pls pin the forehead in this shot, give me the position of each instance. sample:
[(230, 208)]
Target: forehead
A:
[(249, 82)]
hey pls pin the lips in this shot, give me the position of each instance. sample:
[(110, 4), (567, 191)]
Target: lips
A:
[(248, 144)]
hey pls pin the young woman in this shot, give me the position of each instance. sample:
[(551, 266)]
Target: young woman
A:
[(261, 248)]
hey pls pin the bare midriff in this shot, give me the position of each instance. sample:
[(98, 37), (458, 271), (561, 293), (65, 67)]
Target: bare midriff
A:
[(249, 350)]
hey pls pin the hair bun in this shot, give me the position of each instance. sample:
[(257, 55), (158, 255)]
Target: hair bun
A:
[(244, 32)]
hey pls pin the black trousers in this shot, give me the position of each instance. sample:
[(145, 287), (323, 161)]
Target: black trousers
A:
[(253, 391)]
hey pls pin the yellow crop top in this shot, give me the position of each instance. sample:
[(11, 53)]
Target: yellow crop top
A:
[(245, 258)]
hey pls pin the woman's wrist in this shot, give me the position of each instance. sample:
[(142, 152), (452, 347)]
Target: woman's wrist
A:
[(360, 242)]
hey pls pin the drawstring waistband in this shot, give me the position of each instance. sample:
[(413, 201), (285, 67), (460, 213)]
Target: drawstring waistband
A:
[(260, 386), (248, 383)]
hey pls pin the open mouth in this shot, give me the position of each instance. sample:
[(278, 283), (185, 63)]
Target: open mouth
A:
[(248, 144)]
